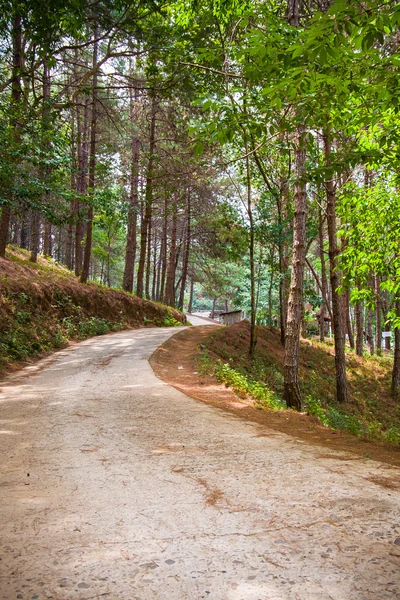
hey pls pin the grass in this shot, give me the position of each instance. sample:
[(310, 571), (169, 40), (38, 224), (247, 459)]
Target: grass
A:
[(43, 306), (371, 412)]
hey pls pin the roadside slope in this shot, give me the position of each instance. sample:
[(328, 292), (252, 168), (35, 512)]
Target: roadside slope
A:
[(177, 362), (43, 307)]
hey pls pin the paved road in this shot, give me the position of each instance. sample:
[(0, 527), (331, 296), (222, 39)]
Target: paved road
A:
[(116, 486)]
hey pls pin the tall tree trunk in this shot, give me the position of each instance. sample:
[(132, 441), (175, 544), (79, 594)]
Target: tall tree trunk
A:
[(396, 361), (45, 143), (24, 229), (349, 327), (358, 313), (47, 238), (253, 340), (284, 283), (186, 253), (82, 143), (130, 252), (16, 96), (148, 260), (169, 297), (158, 274), (154, 282), (92, 166), (212, 314), (35, 235), (324, 280), (163, 256), (36, 217), (70, 230), (292, 393), (378, 315), (148, 200), (370, 337), (190, 305), (342, 394)]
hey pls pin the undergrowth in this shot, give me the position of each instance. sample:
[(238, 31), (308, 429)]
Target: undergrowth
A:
[(43, 306), (240, 383), (371, 413)]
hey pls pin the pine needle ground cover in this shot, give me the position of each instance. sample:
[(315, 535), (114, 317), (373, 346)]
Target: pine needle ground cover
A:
[(371, 412), (43, 306)]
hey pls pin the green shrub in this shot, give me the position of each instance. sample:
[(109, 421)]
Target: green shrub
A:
[(244, 385), (170, 321)]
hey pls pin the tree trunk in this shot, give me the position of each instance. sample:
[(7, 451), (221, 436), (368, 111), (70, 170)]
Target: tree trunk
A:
[(396, 361), (370, 337), (148, 201), (70, 230), (349, 327), (169, 297), (190, 305), (92, 167), (342, 394), (44, 142), (148, 262), (378, 315), (153, 287), (130, 253), (358, 313), (292, 393), (24, 229), (47, 238), (324, 280), (163, 256), (284, 283), (82, 130), (186, 254), (253, 339), (16, 95), (212, 314), (35, 235)]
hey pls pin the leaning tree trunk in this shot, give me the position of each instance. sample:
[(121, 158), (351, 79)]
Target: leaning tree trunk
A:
[(148, 202), (16, 96), (92, 167), (342, 394), (292, 393), (130, 252)]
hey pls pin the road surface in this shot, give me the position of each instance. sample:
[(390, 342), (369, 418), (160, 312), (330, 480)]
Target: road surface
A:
[(117, 486)]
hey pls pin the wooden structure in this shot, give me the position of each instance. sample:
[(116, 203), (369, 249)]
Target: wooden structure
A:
[(232, 316)]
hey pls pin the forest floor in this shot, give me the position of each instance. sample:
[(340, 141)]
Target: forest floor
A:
[(180, 362), (44, 307), (116, 485)]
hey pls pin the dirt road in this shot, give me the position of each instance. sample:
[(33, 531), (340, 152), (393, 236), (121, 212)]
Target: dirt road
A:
[(115, 485)]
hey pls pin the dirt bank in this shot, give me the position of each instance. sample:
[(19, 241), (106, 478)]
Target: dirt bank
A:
[(175, 362)]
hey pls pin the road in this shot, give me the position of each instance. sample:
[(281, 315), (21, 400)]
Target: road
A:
[(117, 486)]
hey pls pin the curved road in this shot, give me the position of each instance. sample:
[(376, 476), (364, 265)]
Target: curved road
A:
[(114, 485)]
